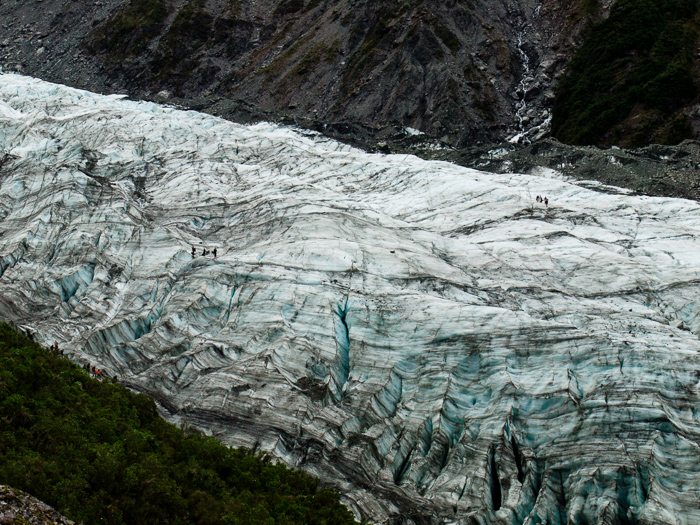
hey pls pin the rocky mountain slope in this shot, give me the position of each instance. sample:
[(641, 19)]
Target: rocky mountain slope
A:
[(428, 338), (462, 71)]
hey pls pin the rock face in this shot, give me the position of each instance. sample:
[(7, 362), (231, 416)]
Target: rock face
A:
[(426, 337), (19, 508), (460, 71)]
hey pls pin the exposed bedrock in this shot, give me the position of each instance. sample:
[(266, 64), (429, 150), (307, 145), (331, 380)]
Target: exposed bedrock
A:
[(425, 337)]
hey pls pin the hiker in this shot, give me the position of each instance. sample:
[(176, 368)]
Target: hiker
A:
[(538, 199), (194, 252), (93, 370), (204, 251), (546, 201), (55, 347), (214, 252)]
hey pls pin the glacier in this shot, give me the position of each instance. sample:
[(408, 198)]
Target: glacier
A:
[(424, 337)]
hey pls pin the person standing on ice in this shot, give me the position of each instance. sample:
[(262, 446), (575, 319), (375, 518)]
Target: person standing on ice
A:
[(214, 252), (204, 252), (193, 252)]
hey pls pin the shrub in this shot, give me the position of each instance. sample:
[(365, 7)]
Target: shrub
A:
[(640, 58)]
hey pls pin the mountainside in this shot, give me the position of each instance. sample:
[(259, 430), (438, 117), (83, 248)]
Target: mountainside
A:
[(463, 71), (467, 73), (425, 337)]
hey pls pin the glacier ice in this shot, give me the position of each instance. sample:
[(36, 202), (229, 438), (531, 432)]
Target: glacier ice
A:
[(423, 336)]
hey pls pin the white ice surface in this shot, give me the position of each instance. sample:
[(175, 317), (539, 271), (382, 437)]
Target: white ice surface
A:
[(423, 336)]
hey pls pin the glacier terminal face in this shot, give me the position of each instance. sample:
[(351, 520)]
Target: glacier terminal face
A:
[(427, 338)]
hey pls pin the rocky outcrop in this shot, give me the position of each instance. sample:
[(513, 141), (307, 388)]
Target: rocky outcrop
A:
[(17, 507), (428, 338), (465, 72), (669, 171)]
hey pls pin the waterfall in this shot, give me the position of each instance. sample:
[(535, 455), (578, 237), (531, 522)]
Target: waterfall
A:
[(521, 105)]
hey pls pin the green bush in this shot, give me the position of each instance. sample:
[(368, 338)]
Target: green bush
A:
[(101, 454), (130, 30), (640, 58)]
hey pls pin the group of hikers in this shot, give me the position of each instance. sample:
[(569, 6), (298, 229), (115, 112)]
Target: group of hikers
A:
[(95, 372), (204, 252), (545, 200), (55, 348)]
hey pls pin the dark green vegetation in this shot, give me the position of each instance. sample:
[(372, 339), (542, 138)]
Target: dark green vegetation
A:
[(632, 77), (130, 31), (99, 453)]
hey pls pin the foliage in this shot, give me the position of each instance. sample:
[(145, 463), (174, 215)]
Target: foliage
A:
[(128, 33), (99, 453), (638, 60), (178, 47)]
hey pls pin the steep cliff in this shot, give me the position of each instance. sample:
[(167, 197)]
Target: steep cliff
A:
[(428, 338)]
